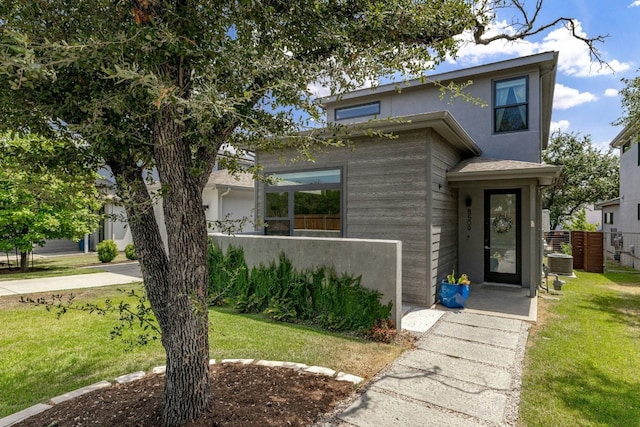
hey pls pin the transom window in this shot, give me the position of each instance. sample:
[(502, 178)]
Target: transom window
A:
[(511, 105), (370, 109), (304, 204)]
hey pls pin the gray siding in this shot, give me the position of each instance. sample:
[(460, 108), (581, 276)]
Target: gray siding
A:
[(444, 215), (385, 197), (475, 119)]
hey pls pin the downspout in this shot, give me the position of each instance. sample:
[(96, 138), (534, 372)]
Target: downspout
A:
[(220, 203)]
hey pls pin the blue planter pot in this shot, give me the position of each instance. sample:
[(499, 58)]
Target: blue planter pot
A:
[(453, 295)]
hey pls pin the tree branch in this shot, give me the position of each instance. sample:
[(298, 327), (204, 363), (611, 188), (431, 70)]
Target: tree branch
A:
[(527, 28)]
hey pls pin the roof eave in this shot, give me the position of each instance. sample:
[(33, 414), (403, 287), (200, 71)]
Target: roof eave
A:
[(539, 59), (623, 136), (545, 175), (441, 121)]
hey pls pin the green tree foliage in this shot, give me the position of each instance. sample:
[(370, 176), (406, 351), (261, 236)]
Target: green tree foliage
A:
[(170, 83), (578, 222), (588, 175), (47, 191), (630, 98)]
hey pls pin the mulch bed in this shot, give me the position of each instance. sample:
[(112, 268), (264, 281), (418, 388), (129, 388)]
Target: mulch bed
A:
[(243, 395)]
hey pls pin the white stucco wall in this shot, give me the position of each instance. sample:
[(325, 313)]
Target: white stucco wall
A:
[(237, 203), (629, 190)]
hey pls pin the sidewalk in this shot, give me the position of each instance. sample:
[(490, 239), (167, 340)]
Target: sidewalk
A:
[(116, 274), (465, 371)]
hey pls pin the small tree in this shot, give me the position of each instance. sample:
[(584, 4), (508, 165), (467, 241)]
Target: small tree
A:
[(588, 175), (578, 222), (47, 191)]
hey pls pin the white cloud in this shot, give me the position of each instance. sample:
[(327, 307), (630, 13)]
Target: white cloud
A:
[(574, 58), (611, 92), (562, 126), (322, 88), (319, 89), (566, 97), (635, 3)]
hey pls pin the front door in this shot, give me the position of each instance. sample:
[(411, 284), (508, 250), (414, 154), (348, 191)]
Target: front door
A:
[(502, 256)]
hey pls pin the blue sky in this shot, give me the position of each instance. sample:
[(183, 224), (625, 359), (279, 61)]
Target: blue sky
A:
[(586, 97)]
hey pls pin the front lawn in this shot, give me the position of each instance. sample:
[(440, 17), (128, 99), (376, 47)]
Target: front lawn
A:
[(63, 265), (41, 357), (582, 366)]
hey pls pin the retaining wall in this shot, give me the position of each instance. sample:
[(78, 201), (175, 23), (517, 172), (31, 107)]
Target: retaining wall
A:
[(379, 262)]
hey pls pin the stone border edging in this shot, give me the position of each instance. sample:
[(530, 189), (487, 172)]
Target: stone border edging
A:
[(41, 407)]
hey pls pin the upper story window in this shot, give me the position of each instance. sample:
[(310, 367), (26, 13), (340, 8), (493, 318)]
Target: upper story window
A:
[(370, 109), (626, 147), (511, 105), (608, 217)]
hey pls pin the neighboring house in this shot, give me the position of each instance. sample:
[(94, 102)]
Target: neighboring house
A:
[(459, 184), (621, 216), (225, 197)]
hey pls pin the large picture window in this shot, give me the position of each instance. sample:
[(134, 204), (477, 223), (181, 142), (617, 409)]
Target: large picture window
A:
[(304, 204), (511, 105)]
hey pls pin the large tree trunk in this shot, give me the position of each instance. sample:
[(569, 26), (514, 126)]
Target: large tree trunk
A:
[(177, 282), (185, 334)]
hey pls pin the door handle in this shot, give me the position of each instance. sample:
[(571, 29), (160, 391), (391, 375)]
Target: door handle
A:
[(487, 247)]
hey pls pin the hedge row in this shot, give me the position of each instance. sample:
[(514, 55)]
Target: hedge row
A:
[(317, 296)]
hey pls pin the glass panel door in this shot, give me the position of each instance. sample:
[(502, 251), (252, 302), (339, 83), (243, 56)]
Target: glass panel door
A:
[(502, 236)]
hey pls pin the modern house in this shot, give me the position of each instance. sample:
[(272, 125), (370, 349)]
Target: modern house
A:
[(458, 183), (621, 216)]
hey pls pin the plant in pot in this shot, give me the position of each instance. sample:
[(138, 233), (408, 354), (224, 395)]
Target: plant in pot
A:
[(494, 261), (454, 292)]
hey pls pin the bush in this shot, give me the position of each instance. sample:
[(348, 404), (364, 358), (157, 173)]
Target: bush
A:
[(107, 250), (317, 296), (130, 252)]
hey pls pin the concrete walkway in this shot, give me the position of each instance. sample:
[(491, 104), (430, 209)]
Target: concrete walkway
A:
[(465, 371), (115, 274)]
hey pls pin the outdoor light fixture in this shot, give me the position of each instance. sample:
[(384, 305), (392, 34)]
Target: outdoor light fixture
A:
[(467, 201)]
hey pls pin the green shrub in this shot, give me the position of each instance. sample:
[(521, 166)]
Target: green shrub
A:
[(130, 252), (107, 250), (319, 296)]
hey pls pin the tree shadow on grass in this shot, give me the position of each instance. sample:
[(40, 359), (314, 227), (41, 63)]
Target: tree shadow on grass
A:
[(623, 309), (601, 399)]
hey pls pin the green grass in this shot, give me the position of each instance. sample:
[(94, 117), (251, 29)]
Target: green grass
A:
[(64, 265), (582, 366), (41, 357)]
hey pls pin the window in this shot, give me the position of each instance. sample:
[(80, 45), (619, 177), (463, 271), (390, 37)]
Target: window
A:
[(608, 217), (304, 204), (626, 147), (361, 110), (511, 105)]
